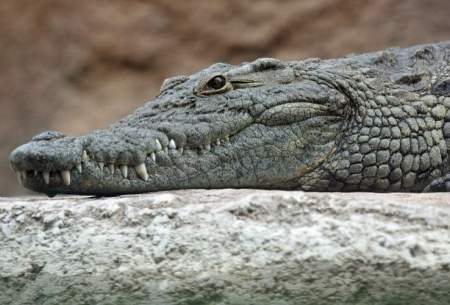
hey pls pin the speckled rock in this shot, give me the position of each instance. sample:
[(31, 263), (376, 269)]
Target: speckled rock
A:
[(226, 247)]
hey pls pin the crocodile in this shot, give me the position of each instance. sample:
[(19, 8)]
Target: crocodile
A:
[(376, 122)]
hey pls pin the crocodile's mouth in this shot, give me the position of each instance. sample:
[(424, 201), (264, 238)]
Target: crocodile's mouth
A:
[(87, 161), (87, 172)]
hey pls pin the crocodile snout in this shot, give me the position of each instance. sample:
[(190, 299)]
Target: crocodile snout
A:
[(48, 154)]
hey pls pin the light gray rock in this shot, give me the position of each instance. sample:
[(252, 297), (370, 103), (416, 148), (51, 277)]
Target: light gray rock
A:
[(226, 247)]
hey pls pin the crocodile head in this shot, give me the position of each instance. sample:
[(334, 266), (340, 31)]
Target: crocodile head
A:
[(260, 125)]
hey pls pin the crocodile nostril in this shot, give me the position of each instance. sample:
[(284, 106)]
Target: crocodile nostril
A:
[(15, 157), (47, 155), (48, 135), (25, 154)]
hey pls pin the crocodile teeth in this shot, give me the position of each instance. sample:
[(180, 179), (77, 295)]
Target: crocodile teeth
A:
[(111, 168), (181, 150), (172, 144), (158, 145), (153, 156), (19, 177), (101, 165), (218, 142), (208, 147), (227, 138), (46, 176), (79, 168), (124, 170), (84, 156), (141, 170), (66, 177)]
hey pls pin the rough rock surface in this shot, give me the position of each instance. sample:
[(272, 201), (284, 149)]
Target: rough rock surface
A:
[(226, 247), (78, 65)]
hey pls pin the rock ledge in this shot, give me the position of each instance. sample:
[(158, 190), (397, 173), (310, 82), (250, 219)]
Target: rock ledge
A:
[(226, 247)]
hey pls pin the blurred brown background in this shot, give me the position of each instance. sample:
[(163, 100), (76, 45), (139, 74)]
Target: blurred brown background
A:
[(77, 65)]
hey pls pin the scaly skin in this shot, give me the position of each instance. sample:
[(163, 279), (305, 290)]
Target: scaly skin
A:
[(372, 122)]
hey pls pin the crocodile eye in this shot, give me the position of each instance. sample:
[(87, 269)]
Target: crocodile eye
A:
[(214, 85), (217, 82)]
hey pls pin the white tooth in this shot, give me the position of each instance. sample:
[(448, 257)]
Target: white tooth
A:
[(124, 170), (172, 144), (19, 177), (79, 168), (84, 156), (46, 176), (101, 165), (66, 177), (158, 145), (181, 150), (227, 138), (218, 142), (111, 168), (208, 147), (141, 170), (153, 156)]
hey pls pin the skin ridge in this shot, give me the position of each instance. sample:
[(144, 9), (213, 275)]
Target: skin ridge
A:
[(372, 122)]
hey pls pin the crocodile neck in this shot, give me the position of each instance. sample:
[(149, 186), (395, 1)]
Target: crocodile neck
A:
[(398, 137)]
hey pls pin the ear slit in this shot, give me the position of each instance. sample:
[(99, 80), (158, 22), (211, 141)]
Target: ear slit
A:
[(244, 83)]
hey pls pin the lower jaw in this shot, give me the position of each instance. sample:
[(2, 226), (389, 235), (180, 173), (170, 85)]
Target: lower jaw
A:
[(93, 181), (169, 172), (89, 182), (111, 181)]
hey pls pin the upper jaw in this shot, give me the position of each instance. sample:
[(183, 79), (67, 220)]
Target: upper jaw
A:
[(85, 165)]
